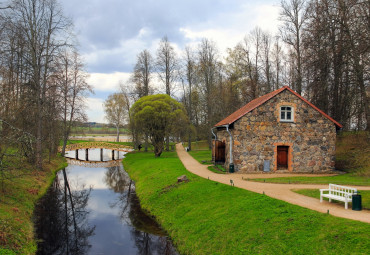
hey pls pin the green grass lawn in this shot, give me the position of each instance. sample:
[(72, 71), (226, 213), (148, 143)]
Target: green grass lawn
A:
[(202, 156), (218, 169), (198, 145), (365, 196), (17, 202), (343, 179), (205, 217)]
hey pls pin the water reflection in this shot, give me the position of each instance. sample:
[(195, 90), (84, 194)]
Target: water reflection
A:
[(95, 154), (149, 238), (61, 220), (105, 219)]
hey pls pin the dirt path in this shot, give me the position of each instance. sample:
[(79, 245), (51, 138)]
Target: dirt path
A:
[(279, 191)]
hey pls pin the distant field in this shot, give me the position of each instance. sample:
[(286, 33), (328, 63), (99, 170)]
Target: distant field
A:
[(97, 130)]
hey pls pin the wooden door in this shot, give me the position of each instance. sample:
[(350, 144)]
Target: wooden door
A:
[(219, 151), (282, 156)]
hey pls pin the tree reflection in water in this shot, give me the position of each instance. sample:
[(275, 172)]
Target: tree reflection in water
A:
[(61, 219), (149, 237)]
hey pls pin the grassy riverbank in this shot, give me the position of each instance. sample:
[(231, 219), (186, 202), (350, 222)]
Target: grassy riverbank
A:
[(17, 202), (204, 217)]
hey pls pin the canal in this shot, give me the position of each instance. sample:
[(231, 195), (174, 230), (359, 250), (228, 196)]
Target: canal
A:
[(93, 209)]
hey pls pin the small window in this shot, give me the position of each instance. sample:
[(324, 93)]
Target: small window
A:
[(286, 113)]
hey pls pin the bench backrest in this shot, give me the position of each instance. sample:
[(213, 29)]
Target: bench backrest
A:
[(338, 190)]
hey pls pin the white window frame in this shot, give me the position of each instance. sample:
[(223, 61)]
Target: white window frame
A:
[(286, 111)]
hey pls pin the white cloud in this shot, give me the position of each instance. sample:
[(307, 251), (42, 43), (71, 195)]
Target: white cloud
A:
[(107, 81), (267, 18), (230, 28), (224, 38), (95, 110)]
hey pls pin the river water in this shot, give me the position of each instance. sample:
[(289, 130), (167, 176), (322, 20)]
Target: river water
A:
[(93, 209)]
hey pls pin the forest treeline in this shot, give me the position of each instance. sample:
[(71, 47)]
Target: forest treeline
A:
[(321, 51), (42, 80)]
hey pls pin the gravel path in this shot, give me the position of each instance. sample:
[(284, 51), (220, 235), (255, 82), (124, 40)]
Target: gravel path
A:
[(279, 191)]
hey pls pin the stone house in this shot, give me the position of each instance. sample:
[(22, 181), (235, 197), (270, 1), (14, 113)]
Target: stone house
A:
[(280, 131)]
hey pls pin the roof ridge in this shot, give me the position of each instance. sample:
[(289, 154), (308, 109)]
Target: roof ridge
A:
[(261, 100)]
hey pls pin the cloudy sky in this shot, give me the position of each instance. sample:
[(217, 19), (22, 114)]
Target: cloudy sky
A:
[(112, 32)]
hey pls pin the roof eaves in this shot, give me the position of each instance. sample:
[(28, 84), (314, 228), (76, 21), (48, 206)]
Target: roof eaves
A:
[(242, 113)]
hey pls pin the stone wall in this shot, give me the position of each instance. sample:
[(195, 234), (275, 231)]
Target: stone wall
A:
[(310, 137)]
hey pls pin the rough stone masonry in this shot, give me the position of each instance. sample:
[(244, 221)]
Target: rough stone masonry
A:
[(256, 136)]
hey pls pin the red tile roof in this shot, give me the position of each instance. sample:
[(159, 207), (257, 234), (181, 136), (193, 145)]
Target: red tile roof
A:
[(261, 100)]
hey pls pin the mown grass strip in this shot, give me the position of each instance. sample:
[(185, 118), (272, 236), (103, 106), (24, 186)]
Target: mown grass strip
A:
[(17, 202), (202, 156), (205, 217), (343, 179), (315, 193)]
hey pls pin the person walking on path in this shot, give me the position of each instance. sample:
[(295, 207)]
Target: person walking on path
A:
[(279, 191)]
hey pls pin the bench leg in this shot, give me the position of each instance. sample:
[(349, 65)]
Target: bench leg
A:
[(320, 199), (346, 205), (329, 200)]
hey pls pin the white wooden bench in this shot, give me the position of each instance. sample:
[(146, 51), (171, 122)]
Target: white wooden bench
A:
[(337, 192)]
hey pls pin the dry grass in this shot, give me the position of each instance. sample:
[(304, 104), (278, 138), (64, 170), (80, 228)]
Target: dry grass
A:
[(353, 152)]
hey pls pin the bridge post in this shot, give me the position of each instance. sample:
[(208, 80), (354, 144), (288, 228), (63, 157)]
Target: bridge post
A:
[(101, 154), (112, 154), (87, 154), (77, 154)]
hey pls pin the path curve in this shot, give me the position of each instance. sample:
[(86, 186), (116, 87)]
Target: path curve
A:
[(279, 191)]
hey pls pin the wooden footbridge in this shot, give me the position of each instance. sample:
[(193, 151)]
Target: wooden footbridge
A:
[(97, 145), (93, 163)]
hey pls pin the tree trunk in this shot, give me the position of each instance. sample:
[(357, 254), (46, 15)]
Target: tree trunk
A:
[(167, 143), (189, 141), (117, 127)]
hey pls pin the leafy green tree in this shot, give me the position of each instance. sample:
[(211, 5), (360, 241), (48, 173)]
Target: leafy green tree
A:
[(159, 116)]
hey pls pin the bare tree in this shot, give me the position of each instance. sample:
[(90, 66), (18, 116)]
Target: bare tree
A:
[(73, 90), (45, 31), (142, 75), (266, 66), (190, 77), (167, 65), (277, 59), (167, 68), (130, 99), (207, 75), (294, 16), (115, 110)]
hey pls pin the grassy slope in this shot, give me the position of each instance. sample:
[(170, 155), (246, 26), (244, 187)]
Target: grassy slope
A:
[(343, 179), (203, 217), (17, 203), (353, 152)]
